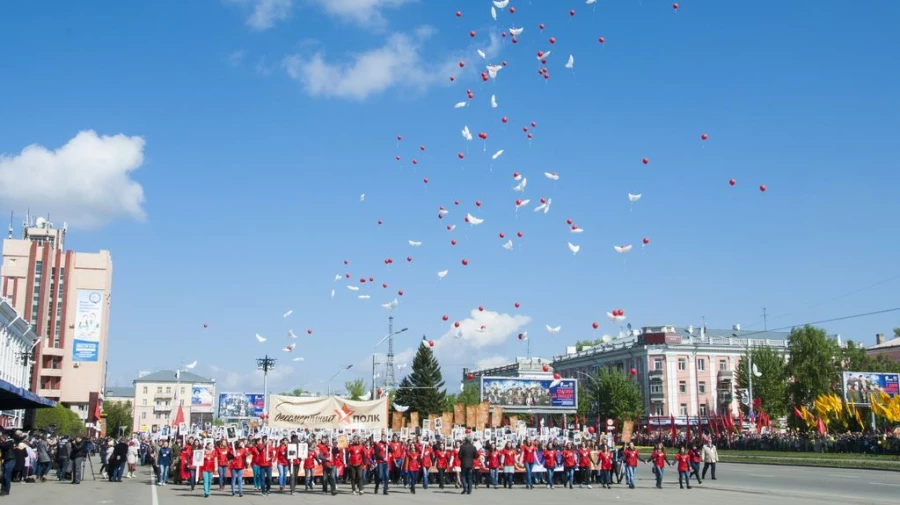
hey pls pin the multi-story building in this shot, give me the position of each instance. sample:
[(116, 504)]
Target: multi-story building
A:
[(682, 371), (889, 348), (158, 395), (65, 296), (118, 394), (521, 367), (17, 342)]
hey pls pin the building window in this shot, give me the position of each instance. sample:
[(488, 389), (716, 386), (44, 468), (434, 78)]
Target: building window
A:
[(145, 402), (658, 409), (182, 390), (683, 409), (682, 364), (145, 389), (703, 409), (702, 387), (143, 415), (656, 388), (723, 364), (682, 386), (657, 364), (168, 389), (701, 364)]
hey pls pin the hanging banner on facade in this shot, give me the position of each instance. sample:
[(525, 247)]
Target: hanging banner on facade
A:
[(328, 413), (202, 396), (521, 394), (859, 385), (88, 319), (240, 405)]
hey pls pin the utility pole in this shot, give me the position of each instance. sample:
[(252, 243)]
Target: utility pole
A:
[(765, 320), (389, 364), (265, 364)]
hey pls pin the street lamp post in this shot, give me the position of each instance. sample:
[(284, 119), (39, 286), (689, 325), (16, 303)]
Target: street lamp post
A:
[(596, 382), (389, 335), (265, 364), (348, 367)]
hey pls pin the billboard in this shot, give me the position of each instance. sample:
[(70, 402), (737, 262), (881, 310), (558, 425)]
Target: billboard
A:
[(240, 405), (88, 318), (859, 385), (328, 413), (518, 393), (202, 396)]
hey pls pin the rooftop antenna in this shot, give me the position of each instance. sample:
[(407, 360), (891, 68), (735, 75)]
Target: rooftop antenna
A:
[(765, 320), (10, 231)]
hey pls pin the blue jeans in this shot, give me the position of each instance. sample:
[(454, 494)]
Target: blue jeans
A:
[(570, 475), (237, 477), (467, 477), (687, 478), (223, 470), (425, 474), (282, 475), (528, 467), (256, 478), (42, 469), (163, 473), (383, 476), (265, 476), (629, 475), (494, 473), (207, 482), (659, 475), (117, 474), (8, 467)]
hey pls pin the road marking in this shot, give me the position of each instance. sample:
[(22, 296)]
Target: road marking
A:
[(154, 499), (760, 475), (884, 484)]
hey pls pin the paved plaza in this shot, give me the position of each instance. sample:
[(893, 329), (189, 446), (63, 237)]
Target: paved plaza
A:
[(737, 484)]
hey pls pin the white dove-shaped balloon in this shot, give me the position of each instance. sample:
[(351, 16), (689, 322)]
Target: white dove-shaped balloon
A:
[(414, 243), (622, 249), (452, 227), (442, 211), (494, 104), (553, 331), (501, 4), (633, 197), (364, 297), (576, 230), (460, 105), (554, 384), (515, 32), (492, 70), (292, 334), (544, 206), (442, 274), (288, 313), (571, 63), (191, 365), (546, 55), (497, 154), (367, 396), (400, 408), (362, 197), (473, 220), (466, 134), (353, 288), (508, 245), (338, 277), (522, 185), (260, 338), (494, 13), (522, 204), (540, 207), (553, 176), (615, 318), (298, 358), (481, 53), (590, 2), (290, 347), (391, 305), (332, 294), (574, 248)]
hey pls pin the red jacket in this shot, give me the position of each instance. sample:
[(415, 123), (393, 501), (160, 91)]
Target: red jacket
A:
[(356, 454), (584, 457), (606, 460), (442, 458), (684, 462), (263, 454), (413, 463), (528, 454), (209, 462), (239, 461), (281, 455), (631, 456), (427, 457), (509, 457), (568, 458), (222, 456)]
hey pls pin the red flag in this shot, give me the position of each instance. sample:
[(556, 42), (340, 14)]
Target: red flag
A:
[(674, 434), (820, 427), (97, 411), (798, 414), (741, 420), (179, 416), (689, 428)]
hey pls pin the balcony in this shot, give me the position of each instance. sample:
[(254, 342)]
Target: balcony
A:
[(655, 374), (162, 408), (726, 375), (50, 393), (52, 351), (657, 395), (51, 372), (163, 396)]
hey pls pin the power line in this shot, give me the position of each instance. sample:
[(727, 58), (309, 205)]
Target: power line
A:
[(842, 318)]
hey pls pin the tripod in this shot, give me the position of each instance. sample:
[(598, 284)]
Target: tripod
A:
[(91, 463)]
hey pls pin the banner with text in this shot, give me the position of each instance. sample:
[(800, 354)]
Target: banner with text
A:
[(522, 394), (329, 413), (88, 319), (859, 385)]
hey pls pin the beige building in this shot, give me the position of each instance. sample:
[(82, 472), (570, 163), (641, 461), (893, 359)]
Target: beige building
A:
[(158, 395), (65, 296)]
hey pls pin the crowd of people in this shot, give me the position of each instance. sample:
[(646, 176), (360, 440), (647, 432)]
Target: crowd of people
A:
[(791, 441)]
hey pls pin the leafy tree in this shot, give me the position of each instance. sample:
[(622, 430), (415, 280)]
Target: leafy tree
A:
[(59, 419), (356, 389), (423, 388), (771, 385), (468, 396), (813, 365), (297, 392), (583, 344), (218, 422), (896, 332), (855, 359), (618, 394), (118, 418)]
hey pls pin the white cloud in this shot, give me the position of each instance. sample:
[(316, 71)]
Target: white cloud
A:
[(366, 13), (252, 381), (497, 330), (265, 13), (398, 63), (492, 362), (86, 182)]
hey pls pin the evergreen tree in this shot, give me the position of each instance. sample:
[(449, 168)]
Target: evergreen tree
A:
[(423, 388)]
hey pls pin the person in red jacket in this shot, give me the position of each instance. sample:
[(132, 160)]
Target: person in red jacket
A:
[(632, 456), (208, 468), (395, 448), (263, 456), (569, 463), (442, 462), (382, 463), (683, 460), (584, 465), (295, 465), (606, 466), (309, 466), (659, 461), (356, 456), (508, 461), (368, 461), (282, 461), (696, 459), (427, 455), (187, 457), (529, 457), (413, 465), (478, 463), (455, 463), (222, 451), (327, 455), (237, 464), (549, 455)]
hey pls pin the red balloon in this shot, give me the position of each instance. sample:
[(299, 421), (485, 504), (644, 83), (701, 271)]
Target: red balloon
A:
[(415, 161), (541, 26), (512, 10), (504, 119), (453, 242), (675, 6), (516, 175), (521, 336), (556, 376), (456, 324), (347, 275), (540, 54), (425, 180), (543, 200), (534, 124), (646, 241), (362, 280), (452, 78), (762, 187), (205, 325), (546, 368), (553, 40), (445, 317), (380, 222), (601, 40), (519, 234), (397, 158), (595, 325), (517, 305), (502, 235), (379, 391), (431, 343), (568, 221), (399, 138), (645, 161), (634, 371), (591, 430), (574, 227), (384, 284), (462, 64), (460, 155), (518, 202), (478, 204), (459, 14), (472, 34), (455, 202), (346, 262), (480, 308), (465, 262), (732, 182), (572, 12), (704, 136), (515, 40), (309, 332), (530, 135), (400, 293), (484, 76), (470, 376), (504, 63)]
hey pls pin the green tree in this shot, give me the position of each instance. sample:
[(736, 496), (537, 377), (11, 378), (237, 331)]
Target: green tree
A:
[(54, 419), (356, 389), (118, 418), (896, 332), (583, 344), (423, 389), (218, 422), (812, 366), (771, 385), (297, 392), (618, 394)]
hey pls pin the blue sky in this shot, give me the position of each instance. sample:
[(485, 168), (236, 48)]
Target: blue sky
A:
[(251, 127)]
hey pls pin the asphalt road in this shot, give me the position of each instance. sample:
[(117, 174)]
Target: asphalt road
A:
[(736, 485)]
